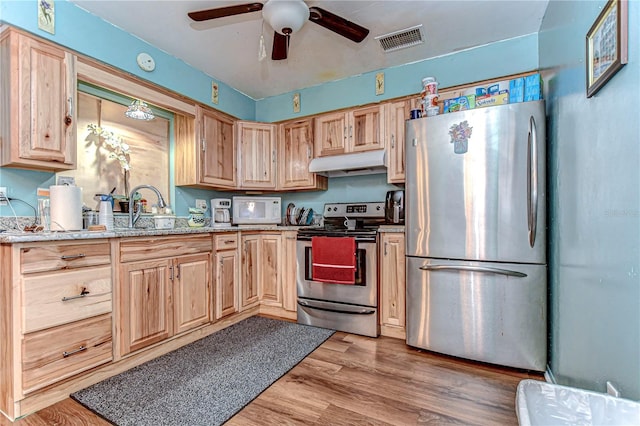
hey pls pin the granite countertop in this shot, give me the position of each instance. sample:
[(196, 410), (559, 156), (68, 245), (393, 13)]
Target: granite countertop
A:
[(23, 237)]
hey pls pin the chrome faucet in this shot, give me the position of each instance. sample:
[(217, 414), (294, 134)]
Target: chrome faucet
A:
[(133, 219)]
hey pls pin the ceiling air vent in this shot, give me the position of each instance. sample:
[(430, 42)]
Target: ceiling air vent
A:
[(401, 39)]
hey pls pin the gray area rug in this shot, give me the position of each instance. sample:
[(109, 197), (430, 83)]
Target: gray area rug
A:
[(207, 381)]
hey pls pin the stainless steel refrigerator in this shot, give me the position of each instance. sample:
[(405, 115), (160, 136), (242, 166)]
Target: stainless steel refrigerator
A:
[(476, 242)]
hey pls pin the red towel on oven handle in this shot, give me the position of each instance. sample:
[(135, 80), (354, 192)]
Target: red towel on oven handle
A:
[(333, 259)]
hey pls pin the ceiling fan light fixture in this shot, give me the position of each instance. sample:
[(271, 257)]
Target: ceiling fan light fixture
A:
[(138, 110), (285, 16)]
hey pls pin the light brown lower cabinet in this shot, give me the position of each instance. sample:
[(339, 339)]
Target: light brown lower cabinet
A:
[(227, 273), (55, 316), (289, 271), (163, 297), (261, 276), (392, 284)]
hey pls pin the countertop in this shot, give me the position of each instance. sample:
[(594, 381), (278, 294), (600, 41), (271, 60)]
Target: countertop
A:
[(24, 237)]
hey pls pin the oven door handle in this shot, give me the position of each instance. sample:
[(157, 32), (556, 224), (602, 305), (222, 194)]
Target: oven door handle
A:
[(355, 311)]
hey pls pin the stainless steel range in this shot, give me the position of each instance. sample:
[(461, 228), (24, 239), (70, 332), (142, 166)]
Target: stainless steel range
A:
[(352, 307)]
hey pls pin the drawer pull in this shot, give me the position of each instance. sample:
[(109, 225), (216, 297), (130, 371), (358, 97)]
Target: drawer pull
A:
[(229, 241), (72, 256), (83, 293), (80, 349)]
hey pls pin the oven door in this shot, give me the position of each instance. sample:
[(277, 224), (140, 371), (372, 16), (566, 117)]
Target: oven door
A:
[(363, 292), (339, 316)]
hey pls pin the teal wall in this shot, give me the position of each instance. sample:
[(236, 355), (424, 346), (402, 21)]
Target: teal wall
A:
[(485, 62), (91, 36), (594, 253)]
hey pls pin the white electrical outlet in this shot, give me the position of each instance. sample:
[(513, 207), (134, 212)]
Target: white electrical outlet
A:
[(3, 196), (201, 204)]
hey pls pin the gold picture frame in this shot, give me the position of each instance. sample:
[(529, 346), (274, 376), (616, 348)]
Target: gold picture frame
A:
[(607, 45)]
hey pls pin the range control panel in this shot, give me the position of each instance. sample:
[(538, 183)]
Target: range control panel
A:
[(354, 210)]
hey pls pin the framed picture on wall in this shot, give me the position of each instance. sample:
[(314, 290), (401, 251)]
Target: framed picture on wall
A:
[(607, 45)]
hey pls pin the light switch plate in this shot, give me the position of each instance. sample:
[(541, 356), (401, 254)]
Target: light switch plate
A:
[(66, 180), (214, 92), (379, 83), (296, 102), (3, 195)]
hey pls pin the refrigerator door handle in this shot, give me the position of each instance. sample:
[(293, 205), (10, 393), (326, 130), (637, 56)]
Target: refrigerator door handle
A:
[(532, 180), (467, 268)]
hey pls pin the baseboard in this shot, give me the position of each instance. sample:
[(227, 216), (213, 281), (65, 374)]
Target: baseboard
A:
[(393, 331)]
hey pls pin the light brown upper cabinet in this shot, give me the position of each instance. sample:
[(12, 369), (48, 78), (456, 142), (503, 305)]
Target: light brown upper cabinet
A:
[(397, 113), (38, 96), (205, 153), (295, 152), (354, 130), (256, 155)]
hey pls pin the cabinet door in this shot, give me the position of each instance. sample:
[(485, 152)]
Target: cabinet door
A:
[(250, 271), (295, 151), (366, 129), (289, 268), (270, 288), (392, 278), (397, 113), (145, 304), (331, 134), (257, 155), (39, 84), (226, 300), (191, 290), (217, 148)]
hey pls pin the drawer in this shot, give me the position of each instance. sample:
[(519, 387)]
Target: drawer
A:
[(60, 352), (226, 241), (58, 256), (155, 248), (55, 299)]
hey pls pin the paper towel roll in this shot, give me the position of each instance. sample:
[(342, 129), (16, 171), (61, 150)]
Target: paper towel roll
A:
[(66, 207)]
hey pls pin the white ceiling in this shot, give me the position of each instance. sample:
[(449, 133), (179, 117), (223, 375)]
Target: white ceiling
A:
[(227, 48)]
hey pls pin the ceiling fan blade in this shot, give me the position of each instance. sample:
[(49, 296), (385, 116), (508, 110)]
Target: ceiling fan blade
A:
[(221, 12), (337, 24), (280, 46)]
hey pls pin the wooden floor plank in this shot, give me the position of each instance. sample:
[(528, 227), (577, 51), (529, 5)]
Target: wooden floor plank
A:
[(356, 380)]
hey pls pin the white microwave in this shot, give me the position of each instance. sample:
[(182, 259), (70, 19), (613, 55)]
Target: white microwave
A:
[(256, 210)]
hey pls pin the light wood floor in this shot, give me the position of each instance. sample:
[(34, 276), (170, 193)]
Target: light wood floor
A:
[(355, 380)]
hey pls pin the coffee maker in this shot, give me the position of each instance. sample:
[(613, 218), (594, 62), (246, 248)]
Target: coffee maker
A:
[(220, 215), (394, 207)]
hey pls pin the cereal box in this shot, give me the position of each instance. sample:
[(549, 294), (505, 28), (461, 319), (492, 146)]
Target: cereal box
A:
[(516, 90), (532, 88), (491, 100), (460, 104)]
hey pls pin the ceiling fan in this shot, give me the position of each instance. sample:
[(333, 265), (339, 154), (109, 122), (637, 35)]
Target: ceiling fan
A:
[(286, 17)]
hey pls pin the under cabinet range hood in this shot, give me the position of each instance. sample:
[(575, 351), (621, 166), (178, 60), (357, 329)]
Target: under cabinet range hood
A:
[(362, 163)]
